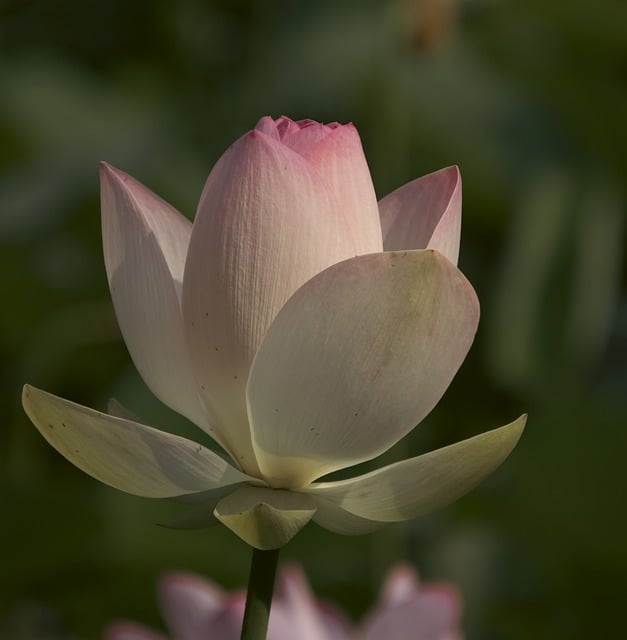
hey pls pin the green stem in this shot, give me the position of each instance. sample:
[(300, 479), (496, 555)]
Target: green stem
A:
[(259, 596)]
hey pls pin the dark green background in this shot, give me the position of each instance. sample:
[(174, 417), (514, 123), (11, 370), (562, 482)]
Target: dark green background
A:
[(528, 98)]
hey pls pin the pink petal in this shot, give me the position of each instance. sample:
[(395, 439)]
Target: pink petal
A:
[(299, 615), (407, 612), (423, 619), (145, 244), (425, 213), (195, 608), (335, 151), (266, 223), (400, 585)]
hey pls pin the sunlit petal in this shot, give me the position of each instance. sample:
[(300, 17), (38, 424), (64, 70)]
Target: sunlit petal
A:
[(145, 244), (357, 357), (124, 454), (416, 486), (425, 214)]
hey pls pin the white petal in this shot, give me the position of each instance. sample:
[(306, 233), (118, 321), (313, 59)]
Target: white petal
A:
[(412, 487), (356, 358), (425, 214), (145, 244), (265, 518), (265, 225), (124, 454), (331, 516)]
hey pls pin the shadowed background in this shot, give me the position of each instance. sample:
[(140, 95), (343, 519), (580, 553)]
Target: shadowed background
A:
[(528, 98)]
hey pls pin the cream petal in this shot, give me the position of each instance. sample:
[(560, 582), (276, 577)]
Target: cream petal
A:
[(145, 244), (425, 214), (331, 516), (265, 518), (416, 486), (265, 225), (124, 454), (356, 358)]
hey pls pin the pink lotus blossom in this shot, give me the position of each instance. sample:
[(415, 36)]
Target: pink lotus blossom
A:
[(302, 325), (197, 609)]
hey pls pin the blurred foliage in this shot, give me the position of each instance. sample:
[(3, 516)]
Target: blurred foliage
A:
[(529, 98)]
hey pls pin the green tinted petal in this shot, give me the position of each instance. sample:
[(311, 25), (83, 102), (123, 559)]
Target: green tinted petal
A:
[(265, 518), (412, 487)]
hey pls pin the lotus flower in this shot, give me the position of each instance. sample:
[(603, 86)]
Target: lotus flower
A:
[(196, 609), (302, 325)]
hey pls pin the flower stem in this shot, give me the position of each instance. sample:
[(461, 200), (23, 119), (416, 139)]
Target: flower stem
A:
[(259, 596)]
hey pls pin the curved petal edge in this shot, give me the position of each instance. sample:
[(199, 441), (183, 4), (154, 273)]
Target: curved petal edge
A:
[(127, 455), (416, 486)]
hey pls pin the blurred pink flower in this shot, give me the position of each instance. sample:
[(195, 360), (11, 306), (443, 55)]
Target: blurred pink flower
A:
[(197, 609)]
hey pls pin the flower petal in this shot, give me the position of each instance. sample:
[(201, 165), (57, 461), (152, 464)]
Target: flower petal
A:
[(425, 214), (265, 518), (124, 454), (412, 487), (302, 616), (406, 609), (333, 517), (265, 224), (356, 358), (432, 615), (190, 605), (145, 243), (336, 153)]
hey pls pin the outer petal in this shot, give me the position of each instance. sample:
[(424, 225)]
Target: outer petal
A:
[(412, 487), (333, 517), (145, 244), (425, 213), (265, 224), (265, 518), (356, 358), (124, 454)]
